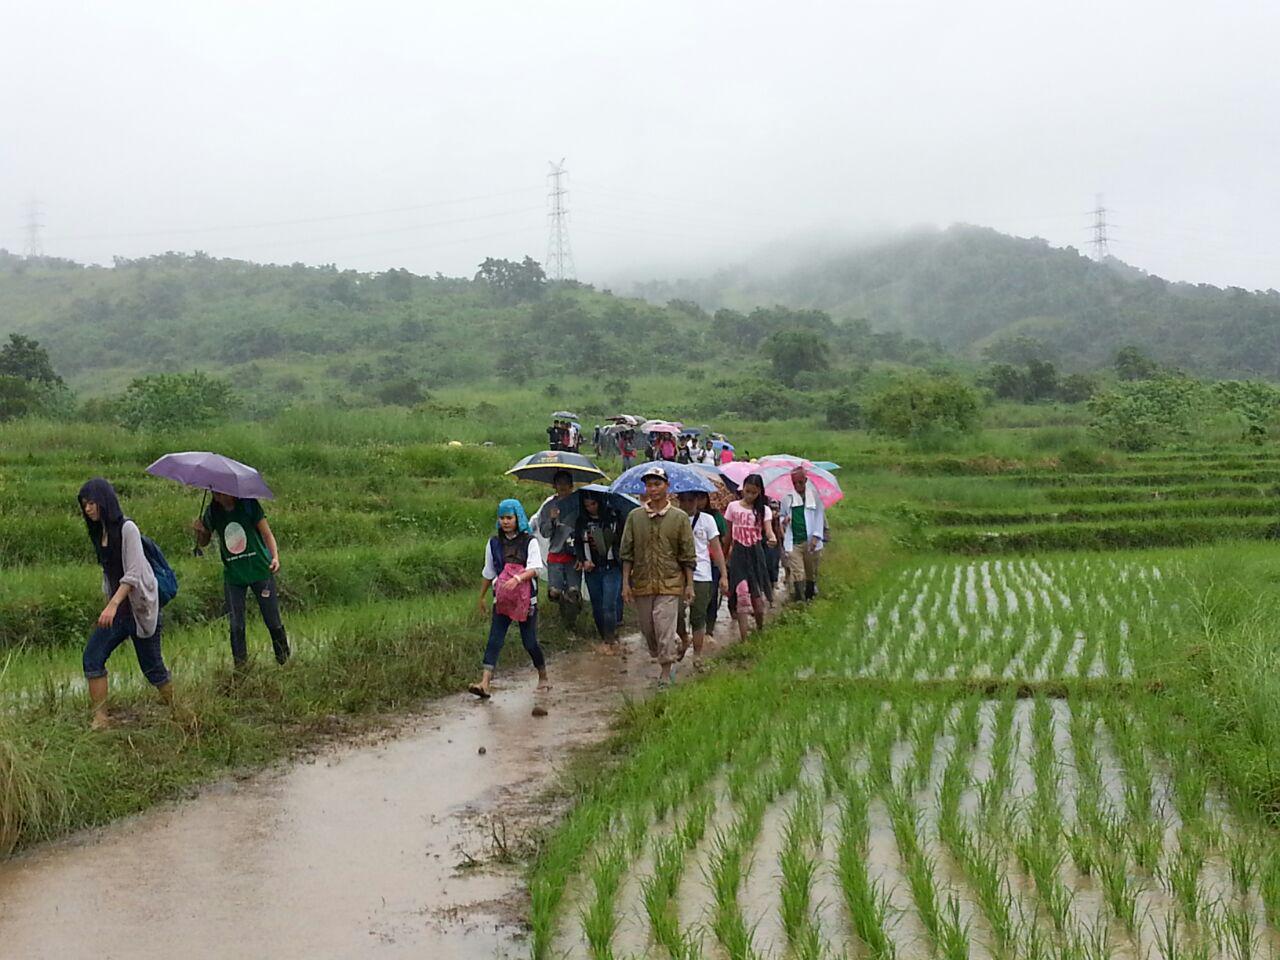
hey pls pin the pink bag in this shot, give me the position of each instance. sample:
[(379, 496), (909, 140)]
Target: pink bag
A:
[(512, 601)]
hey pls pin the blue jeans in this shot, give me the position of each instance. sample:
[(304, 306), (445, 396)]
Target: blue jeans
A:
[(498, 627), (268, 598), (104, 640), (605, 587)]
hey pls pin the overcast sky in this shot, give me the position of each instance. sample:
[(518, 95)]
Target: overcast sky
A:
[(418, 134)]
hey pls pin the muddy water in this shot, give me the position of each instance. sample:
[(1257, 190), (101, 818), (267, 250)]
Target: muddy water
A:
[(354, 852)]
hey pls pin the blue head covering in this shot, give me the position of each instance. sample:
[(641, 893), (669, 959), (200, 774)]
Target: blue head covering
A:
[(513, 508)]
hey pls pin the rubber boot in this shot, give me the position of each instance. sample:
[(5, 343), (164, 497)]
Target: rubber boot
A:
[(810, 589)]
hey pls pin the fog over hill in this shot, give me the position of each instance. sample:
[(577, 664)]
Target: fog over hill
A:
[(967, 287)]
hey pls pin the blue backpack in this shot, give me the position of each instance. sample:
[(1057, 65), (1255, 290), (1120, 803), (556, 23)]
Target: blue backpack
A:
[(166, 579)]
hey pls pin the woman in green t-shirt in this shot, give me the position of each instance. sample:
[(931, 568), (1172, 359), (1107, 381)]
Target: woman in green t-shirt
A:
[(250, 559)]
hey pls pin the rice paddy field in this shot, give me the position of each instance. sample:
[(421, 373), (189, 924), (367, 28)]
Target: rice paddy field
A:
[(1035, 711), (973, 746)]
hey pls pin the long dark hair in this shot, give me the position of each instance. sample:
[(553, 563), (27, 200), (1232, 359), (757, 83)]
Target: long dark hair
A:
[(110, 520), (759, 504)]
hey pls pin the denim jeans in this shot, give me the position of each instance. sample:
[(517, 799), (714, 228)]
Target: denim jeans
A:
[(605, 587), (104, 640), (269, 606), (498, 627)]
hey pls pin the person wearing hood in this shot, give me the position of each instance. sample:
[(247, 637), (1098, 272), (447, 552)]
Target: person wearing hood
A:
[(598, 537), (132, 611), (512, 559), (556, 522)]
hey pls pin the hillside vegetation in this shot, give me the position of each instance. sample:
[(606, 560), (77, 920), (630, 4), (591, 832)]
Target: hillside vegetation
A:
[(969, 287)]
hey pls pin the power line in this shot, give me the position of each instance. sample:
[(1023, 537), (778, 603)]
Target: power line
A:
[(34, 245), (300, 221), (559, 253)]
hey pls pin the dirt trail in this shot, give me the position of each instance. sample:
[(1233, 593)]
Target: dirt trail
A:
[(355, 852)]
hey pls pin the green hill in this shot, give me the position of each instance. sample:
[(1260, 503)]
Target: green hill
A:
[(967, 287), (316, 334)]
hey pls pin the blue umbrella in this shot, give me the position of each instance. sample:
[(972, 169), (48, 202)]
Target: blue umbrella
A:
[(683, 478), (827, 465), (620, 502)]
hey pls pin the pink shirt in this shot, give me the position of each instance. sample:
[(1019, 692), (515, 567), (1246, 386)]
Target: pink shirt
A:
[(746, 528)]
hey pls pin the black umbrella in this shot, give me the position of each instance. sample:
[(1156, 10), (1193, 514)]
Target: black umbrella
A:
[(540, 467)]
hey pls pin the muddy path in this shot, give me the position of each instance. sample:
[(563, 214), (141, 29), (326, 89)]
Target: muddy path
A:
[(361, 850)]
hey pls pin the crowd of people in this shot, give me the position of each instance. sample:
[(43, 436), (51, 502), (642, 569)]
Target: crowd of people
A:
[(674, 561)]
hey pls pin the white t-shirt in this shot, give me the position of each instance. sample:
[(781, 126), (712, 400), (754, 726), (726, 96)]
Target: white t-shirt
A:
[(704, 531)]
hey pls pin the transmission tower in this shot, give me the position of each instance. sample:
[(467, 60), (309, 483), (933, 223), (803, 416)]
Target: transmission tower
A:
[(35, 247), (1099, 241), (559, 253)]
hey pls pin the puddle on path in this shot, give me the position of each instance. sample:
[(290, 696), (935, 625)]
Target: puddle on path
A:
[(354, 852)]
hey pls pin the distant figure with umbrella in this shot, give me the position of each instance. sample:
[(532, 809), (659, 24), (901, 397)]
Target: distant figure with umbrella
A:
[(564, 471), (750, 528), (658, 561), (133, 597), (597, 541), (556, 522), (250, 554), (804, 519)]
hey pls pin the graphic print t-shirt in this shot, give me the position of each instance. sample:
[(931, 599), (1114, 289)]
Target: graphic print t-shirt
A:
[(245, 558)]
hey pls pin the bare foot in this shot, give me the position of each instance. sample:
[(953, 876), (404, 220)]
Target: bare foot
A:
[(100, 722), (543, 686)]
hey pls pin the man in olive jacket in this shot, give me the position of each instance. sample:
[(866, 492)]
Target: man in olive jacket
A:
[(658, 560)]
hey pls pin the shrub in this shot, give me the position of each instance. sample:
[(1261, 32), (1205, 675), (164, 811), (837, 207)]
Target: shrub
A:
[(402, 392), (916, 406), (844, 412), (761, 400), (170, 400), (1144, 414)]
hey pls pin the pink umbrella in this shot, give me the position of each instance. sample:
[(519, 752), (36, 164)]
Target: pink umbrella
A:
[(787, 459), (659, 426), (737, 470), (777, 482)]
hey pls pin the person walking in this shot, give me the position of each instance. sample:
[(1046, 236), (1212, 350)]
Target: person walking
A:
[(658, 560), (666, 447), (132, 611), (598, 538), (713, 604), (709, 569), (512, 559), (750, 528), (250, 561), (555, 436), (556, 521), (804, 521), (627, 449)]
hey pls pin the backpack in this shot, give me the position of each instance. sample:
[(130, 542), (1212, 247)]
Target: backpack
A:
[(166, 579)]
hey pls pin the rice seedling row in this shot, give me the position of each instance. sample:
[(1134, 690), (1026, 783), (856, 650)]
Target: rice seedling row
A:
[(939, 821)]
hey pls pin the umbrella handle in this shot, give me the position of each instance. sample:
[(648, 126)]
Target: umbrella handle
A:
[(197, 550)]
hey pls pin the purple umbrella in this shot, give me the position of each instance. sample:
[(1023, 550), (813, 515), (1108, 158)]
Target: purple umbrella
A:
[(212, 471)]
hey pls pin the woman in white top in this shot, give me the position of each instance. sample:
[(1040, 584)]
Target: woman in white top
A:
[(706, 543), (133, 598)]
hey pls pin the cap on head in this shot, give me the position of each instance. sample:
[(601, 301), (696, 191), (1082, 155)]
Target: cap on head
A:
[(657, 473)]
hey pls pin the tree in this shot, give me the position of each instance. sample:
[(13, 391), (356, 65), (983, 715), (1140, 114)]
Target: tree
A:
[(1145, 414), (25, 359), (1132, 364), (169, 400), (793, 352), (1018, 349), (616, 391), (844, 412), (1076, 388), (402, 392), (916, 406), (1255, 404), (1006, 381), (397, 284), (1042, 380), (18, 397), (513, 282)]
